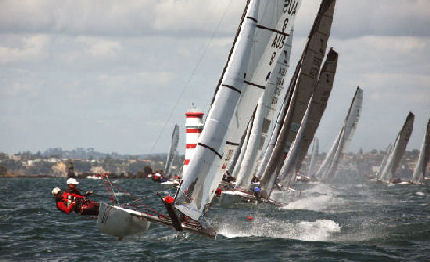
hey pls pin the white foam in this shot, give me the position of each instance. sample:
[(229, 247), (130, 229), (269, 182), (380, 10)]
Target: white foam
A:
[(317, 203), (319, 230), (419, 193)]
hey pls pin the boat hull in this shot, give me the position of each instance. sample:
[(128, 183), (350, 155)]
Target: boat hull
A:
[(120, 222)]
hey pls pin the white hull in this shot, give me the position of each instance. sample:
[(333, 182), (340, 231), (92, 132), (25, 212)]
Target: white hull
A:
[(120, 222)]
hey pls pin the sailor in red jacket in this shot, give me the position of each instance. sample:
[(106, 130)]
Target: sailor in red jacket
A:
[(63, 202)]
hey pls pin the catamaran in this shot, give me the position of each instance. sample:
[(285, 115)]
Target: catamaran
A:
[(421, 167), (395, 155), (263, 32)]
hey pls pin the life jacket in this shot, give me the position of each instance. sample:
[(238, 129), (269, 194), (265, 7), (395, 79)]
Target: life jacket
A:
[(66, 204)]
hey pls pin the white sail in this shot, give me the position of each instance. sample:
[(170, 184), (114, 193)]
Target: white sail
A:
[(172, 150), (384, 161), (203, 174), (311, 120), (398, 150), (243, 147), (314, 158), (265, 53), (325, 165), (306, 81), (265, 110), (420, 168), (344, 138)]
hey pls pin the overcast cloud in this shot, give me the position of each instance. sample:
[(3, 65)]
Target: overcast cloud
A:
[(111, 74)]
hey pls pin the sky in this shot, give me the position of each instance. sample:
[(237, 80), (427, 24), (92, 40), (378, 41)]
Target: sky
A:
[(118, 75)]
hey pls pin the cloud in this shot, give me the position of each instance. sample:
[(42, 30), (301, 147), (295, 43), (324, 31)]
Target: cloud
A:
[(31, 48), (130, 65), (100, 47)]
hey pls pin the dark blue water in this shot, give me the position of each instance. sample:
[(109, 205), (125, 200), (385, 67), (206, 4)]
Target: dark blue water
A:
[(345, 222)]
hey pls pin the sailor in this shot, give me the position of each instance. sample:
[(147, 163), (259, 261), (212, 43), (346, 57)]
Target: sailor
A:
[(257, 193), (169, 204), (227, 177), (81, 204), (63, 203), (72, 189), (218, 192)]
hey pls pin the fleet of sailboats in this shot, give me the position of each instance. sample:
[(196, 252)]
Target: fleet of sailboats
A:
[(242, 111)]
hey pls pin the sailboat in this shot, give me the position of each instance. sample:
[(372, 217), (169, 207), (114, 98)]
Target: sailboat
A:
[(384, 161), (263, 32), (329, 165), (297, 98), (310, 122), (388, 171), (171, 156), (227, 119), (421, 167)]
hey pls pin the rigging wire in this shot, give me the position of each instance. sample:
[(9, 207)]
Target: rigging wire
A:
[(193, 72)]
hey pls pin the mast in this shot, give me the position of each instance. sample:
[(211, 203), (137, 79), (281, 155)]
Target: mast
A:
[(420, 168), (302, 91), (172, 150), (398, 150), (202, 176)]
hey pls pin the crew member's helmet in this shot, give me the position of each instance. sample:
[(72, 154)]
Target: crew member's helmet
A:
[(72, 181), (55, 191)]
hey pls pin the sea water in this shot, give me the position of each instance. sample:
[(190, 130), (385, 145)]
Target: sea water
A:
[(360, 221)]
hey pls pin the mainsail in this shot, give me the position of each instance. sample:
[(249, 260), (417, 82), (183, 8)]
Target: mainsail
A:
[(384, 161), (329, 166), (398, 150), (265, 110), (258, 78), (302, 86), (172, 150), (420, 168), (311, 120), (314, 158), (203, 176)]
